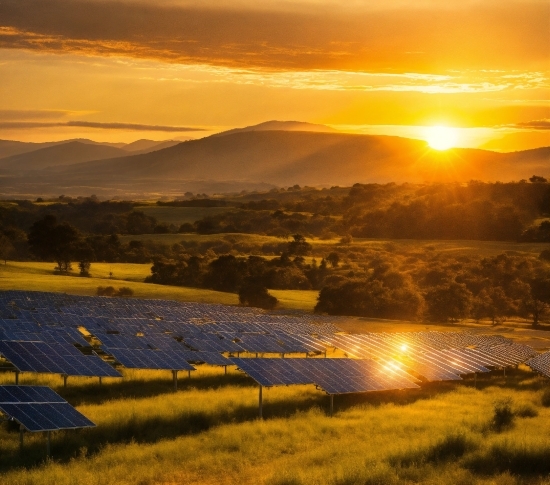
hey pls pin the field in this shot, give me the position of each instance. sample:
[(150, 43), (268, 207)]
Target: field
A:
[(180, 215), (207, 433), (33, 276)]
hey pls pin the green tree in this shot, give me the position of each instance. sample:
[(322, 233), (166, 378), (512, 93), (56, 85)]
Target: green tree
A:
[(52, 241)]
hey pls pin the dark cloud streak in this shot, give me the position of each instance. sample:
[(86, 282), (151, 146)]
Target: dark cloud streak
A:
[(89, 124)]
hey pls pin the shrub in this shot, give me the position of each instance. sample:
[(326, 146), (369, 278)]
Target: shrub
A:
[(526, 411), (503, 416), (110, 291)]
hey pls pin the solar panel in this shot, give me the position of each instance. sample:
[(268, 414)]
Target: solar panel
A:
[(151, 359), (334, 376), (40, 408), (52, 358), (541, 364)]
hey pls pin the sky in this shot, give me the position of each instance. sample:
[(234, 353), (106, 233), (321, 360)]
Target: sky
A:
[(122, 70)]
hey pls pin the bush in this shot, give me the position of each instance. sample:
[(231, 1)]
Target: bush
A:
[(503, 416), (526, 411), (110, 291)]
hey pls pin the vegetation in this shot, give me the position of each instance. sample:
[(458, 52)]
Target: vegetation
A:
[(207, 432)]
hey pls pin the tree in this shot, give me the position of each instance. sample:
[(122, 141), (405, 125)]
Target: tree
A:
[(6, 248), (451, 302), (253, 293), (52, 241), (298, 245), (334, 259), (537, 179)]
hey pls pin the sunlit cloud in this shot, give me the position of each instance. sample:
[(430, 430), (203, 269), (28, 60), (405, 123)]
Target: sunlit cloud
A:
[(536, 125)]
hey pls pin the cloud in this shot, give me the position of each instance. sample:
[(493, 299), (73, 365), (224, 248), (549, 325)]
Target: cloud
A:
[(38, 114), (535, 125), (391, 35), (7, 125)]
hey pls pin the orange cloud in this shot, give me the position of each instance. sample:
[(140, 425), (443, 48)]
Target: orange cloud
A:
[(303, 35)]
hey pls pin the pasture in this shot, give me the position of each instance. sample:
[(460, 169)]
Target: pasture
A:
[(208, 433), (34, 276)]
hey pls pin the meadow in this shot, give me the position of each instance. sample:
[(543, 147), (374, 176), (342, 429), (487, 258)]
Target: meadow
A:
[(208, 433)]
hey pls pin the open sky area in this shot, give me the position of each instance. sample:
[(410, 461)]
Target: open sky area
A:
[(117, 71)]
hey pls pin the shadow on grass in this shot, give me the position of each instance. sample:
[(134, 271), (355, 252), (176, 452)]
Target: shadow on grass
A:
[(136, 388)]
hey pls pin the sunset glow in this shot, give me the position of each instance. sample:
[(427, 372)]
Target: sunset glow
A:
[(441, 137), (180, 69)]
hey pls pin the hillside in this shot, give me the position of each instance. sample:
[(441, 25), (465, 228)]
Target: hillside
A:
[(60, 154), (285, 157), (248, 159)]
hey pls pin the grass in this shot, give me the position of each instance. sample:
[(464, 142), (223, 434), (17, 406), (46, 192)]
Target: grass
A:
[(34, 276), (207, 433), (39, 277)]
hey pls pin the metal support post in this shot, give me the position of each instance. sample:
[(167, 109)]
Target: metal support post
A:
[(225, 367), (188, 374), (260, 407), (175, 378), (21, 431), (16, 377), (100, 381), (283, 355), (48, 445), (504, 371), (475, 379), (331, 405), (65, 381)]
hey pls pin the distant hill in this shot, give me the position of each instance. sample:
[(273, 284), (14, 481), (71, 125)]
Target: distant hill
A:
[(145, 146), (288, 157), (281, 126), (59, 154), (259, 158)]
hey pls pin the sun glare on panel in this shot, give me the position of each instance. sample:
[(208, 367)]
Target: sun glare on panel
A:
[(441, 137)]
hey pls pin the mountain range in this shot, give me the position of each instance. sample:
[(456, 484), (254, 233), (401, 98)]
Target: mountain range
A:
[(254, 158)]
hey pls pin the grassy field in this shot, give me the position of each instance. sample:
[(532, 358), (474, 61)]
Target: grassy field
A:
[(180, 215), (207, 433), (33, 276)]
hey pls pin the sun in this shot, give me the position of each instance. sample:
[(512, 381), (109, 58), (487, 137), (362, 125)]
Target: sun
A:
[(441, 137)]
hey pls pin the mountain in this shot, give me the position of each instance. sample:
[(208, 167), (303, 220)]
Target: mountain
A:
[(253, 159), (281, 126), (58, 154), (145, 146), (9, 148)]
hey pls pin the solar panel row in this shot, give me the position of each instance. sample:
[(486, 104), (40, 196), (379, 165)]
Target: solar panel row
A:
[(334, 376), (39, 408)]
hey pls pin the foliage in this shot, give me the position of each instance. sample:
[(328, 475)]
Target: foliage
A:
[(252, 293), (110, 291)]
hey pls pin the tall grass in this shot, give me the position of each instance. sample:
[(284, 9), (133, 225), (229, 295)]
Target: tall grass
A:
[(207, 432)]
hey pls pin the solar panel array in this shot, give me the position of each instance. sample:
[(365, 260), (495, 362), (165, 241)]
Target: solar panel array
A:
[(157, 334), (39, 408), (334, 376), (541, 364)]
